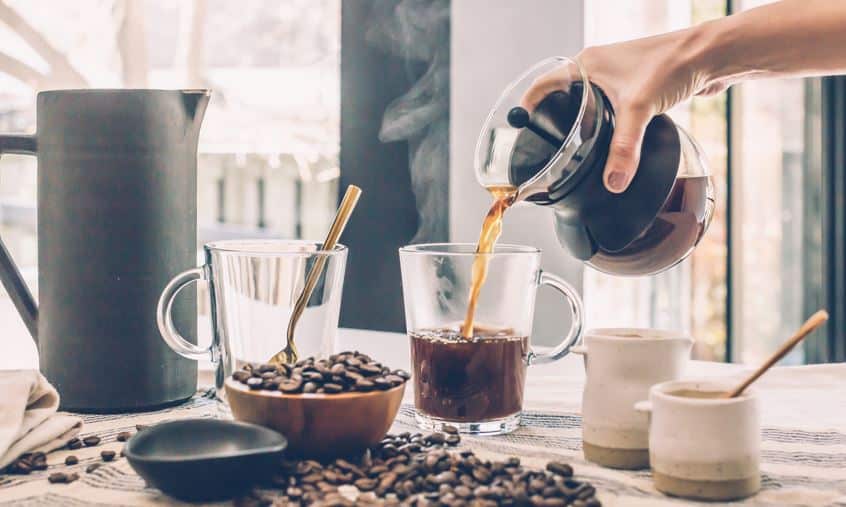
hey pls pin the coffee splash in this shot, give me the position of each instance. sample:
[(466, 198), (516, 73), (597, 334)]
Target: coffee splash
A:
[(504, 196)]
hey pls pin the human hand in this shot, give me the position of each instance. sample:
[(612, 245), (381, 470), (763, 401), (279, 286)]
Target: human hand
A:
[(642, 78)]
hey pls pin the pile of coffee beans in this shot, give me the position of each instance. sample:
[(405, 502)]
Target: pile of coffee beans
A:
[(416, 470), (339, 373)]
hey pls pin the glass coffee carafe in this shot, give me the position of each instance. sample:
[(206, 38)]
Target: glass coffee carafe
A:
[(553, 149)]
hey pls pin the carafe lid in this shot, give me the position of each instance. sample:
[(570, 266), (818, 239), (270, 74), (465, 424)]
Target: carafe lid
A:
[(537, 126)]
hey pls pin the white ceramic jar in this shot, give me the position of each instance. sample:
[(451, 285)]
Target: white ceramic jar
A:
[(703, 446), (621, 365)]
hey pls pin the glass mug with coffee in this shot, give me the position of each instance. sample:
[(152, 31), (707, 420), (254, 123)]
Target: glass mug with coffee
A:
[(473, 378)]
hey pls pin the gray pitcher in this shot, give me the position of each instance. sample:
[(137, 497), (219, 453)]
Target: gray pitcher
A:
[(117, 218)]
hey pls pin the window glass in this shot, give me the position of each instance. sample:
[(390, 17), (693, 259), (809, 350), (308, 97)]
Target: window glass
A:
[(690, 297), (268, 161), (775, 224)]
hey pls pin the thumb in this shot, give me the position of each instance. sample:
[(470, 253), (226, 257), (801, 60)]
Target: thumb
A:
[(624, 154)]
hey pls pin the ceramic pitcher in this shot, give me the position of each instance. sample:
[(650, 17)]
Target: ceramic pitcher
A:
[(621, 365)]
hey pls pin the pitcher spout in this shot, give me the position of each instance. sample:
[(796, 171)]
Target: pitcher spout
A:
[(196, 102)]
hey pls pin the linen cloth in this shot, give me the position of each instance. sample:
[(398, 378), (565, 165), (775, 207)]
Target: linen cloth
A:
[(803, 460), (29, 421)]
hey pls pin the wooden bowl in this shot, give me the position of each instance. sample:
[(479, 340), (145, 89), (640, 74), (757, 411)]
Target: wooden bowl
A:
[(319, 425)]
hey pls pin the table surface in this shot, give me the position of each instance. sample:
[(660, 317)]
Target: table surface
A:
[(803, 458)]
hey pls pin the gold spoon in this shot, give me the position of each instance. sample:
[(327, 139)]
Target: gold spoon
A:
[(813, 322), (288, 355)]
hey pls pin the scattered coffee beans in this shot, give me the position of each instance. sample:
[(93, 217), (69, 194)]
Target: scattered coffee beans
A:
[(339, 373), (107, 455), (91, 441), (123, 436), (71, 460), (92, 467), (415, 469), (74, 444)]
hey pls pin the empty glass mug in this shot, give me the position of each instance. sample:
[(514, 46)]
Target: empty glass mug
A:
[(253, 287), (475, 384)]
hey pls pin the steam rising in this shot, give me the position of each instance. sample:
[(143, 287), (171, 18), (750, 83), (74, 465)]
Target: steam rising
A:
[(418, 32)]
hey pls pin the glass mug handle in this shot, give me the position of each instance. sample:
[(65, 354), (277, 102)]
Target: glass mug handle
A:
[(164, 317), (575, 334)]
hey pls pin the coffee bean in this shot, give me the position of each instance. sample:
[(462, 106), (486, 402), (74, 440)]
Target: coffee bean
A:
[(449, 429), (141, 427), (74, 444), (561, 469), (353, 361), (71, 460), (386, 482), (586, 492), (91, 441), (551, 502), (254, 383), (363, 384), (266, 368), (402, 374), (366, 484), (123, 436), (482, 475), (292, 385), (447, 477), (452, 440), (310, 387), (370, 369), (333, 388), (58, 478), (92, 467), (436, 438), (107, 455), (382, 383)]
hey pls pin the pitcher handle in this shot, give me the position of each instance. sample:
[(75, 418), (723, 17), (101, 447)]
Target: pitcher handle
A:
[(164, 317), (10, 275), (576, 308)]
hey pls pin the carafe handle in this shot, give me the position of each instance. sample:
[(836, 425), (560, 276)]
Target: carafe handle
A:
[(575, 335), (10, 275), (164, 317)]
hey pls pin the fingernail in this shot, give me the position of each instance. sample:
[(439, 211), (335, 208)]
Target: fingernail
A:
[(617, 181)]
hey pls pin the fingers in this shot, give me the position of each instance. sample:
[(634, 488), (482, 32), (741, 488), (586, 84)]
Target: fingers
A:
[(624, 154)]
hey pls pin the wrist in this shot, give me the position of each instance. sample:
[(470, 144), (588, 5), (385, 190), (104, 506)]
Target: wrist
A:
[(708, 47)]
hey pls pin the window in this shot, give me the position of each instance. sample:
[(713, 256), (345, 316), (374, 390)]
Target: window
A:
[(756, 274), (268, 161)]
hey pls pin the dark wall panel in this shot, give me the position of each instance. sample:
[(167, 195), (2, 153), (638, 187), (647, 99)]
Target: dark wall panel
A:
[(386, 216)]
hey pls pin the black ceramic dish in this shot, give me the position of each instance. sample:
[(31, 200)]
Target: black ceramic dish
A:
[(205, 459)]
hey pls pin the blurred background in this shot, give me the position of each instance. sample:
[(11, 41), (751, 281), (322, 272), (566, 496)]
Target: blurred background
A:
[(309, 95)]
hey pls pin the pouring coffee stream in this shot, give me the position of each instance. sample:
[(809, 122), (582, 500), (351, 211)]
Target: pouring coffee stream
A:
[(504, 197)]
